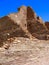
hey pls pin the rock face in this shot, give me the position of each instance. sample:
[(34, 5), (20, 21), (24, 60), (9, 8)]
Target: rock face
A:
[(25, 23), (30, 23), (47, 25)]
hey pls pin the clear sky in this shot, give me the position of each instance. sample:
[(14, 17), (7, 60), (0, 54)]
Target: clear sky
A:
[(41, 7)]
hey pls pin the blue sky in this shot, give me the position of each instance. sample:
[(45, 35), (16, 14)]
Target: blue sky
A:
[(41, 7)]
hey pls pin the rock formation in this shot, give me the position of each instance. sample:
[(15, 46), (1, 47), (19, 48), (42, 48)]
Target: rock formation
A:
[(47, 24), (25, 23), (24, 39)]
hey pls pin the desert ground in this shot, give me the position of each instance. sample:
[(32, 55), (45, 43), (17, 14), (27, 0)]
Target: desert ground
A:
[(23, 51)]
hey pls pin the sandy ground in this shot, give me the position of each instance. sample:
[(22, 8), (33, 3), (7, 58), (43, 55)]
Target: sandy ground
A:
[(23, 51)]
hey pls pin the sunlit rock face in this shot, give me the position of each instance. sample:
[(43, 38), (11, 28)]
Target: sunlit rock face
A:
[(20, 17)]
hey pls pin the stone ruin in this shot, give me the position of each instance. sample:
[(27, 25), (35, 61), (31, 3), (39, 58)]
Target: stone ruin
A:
[(24, 23)]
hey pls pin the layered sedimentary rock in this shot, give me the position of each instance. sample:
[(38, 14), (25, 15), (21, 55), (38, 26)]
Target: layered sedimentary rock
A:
[(24, 23)]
